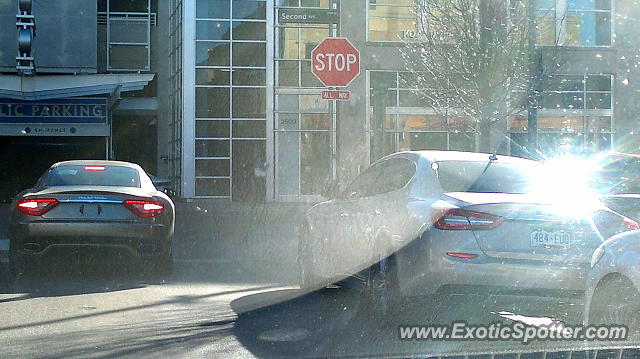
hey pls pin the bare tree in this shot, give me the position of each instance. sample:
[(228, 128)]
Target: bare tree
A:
[(471, 57)]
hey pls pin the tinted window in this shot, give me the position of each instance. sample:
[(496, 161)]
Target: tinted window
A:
[(383, 177), (485, 177), (75, 175)]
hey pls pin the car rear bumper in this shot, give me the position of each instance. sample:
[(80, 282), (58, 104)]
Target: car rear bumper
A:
[(424, 268), (53, 228), (39, 238), (514, 276)]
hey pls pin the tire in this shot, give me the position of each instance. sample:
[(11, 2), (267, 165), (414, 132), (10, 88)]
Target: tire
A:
[(616, 302), (380, 291), (19, 265), (161, 266)]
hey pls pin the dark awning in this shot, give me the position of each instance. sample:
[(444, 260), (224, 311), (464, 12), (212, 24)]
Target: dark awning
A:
[(60, 86)]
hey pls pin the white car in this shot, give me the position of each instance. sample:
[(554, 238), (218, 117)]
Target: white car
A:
[(427, 220), (612, 295)]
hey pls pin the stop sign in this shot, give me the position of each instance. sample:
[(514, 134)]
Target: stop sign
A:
[(335, 61)]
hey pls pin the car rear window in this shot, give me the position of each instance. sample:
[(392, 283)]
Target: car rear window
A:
[(485, 177), (90, 175)]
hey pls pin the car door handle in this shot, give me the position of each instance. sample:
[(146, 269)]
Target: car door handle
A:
[(376, 212), (344, 214)]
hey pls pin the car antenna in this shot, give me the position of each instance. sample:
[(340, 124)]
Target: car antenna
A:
[(492, 158)]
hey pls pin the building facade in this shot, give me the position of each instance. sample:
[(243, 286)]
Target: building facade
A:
[(77, 81), (254, 124), (218, 95)]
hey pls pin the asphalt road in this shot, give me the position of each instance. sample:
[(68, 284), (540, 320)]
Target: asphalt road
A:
[(231, 299), (204, 310)]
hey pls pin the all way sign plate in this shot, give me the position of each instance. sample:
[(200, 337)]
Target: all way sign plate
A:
[(336, 95)]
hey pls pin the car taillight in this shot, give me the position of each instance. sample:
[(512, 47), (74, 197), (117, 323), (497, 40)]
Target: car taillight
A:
[(144, 208), (37, 206), (630, 224), (94, 168), (461, 219), (605, 220)]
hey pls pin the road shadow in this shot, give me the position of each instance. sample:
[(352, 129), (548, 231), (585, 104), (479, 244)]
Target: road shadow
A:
[(292, 323), (341, 322), (74, 275)]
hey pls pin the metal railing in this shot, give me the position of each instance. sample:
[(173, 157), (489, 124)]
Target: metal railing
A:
[(128, 39)]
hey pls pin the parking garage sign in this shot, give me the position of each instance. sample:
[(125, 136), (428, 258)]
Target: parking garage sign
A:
[(54, 111), (55, 117), (335, 62)]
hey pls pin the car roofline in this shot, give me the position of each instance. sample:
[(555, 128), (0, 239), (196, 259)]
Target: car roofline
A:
[(441, 156)]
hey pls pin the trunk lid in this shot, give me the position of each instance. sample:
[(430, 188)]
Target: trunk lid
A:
[(91, 203), (533, 228)]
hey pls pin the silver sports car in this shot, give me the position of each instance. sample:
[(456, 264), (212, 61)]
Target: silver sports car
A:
[(427, 220), (94, 204)]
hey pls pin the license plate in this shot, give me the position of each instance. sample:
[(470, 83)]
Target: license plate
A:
[(548, 239)]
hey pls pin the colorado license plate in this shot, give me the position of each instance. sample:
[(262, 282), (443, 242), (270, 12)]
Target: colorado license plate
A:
[(543, 238)]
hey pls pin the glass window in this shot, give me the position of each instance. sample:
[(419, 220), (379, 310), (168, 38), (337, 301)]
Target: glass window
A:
[(249, 54), (560, 123), (212, 53), (313, 103), (212, 102), (213, 76), (309, 39), (598, 83), (76, 175), (288, 73), (212, 148), (243, 30), (392, 23), (410, 141), (315, 121), (546, 28), (462, 141), (249, 129), (598, 124), (288, 43), (576, 92), (598, 101), (383, 79), (414, 98), (212, 9), (383, 177), (249, 103), (421, 123), (249, 9), (287, 103), (212, 167), (249, 77), (212, 187), (314, 3), (307, 78), (574, 23), (288, 121), (215, 128), (486, 177), (212, 30)]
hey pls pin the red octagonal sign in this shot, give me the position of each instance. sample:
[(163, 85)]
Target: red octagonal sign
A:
[(335, 62)]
